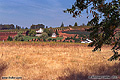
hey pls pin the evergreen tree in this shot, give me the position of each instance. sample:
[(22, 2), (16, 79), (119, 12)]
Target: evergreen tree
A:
[(62, 25), (26, 28), (9, 38), (56, 32), (27, 32), (75, 24)]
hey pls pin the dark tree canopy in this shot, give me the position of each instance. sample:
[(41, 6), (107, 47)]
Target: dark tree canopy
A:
[(102, 31), (62, 25), (75, 24)]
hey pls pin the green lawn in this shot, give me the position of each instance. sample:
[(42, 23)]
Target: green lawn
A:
[(58, 38), (26, 38)]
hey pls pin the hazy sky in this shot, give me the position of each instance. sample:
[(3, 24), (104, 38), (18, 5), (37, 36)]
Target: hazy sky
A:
[(48, 12)]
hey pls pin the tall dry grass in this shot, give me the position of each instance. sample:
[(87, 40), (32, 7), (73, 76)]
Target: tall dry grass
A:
[(55, 61)]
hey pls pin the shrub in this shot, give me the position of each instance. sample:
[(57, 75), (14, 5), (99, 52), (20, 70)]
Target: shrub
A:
[(67, 38), (26, 28), (75, 24), (71, 38), (35, 39), (71, 41), (9, 38), (44, 40), (77, 40), (64, 41), (54, 40), (75, 36), (27, 32), (32, 39), (49, 32), (60, 40), (19, 37), (44, 35), (39, 38), (49, 39), (32, 33)]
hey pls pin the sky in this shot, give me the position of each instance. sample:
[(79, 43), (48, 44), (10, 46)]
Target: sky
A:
[(48, 12)]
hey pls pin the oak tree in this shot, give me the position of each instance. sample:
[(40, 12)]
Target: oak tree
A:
[(101, 31)]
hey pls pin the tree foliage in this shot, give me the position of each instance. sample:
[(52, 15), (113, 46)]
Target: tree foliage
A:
[(102, 31), (26, 28), (32, 33), (62, 25), (19, 37), (44, 35), (48, 31), (56, 32), (75, 24), (9, 38), (27, 32)]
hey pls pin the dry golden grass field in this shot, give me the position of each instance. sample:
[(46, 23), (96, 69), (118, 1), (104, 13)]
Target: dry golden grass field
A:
[(55, 61)]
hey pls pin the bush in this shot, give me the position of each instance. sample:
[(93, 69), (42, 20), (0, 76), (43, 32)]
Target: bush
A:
[(75, 36), (32, 33), (49, 39), (27, 32), (9, 38), (19, 37), (64, 41), (54, 40), (60, 40), (75, 24), (77, 40), (71, 38), (44, 35), (44, 40), (49, 32), (26, 28), (71, 41), (35, 39), (67, 38)]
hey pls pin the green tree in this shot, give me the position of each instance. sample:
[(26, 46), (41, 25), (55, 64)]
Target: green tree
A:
[(27, 32), (75, 24), (19, 37), (109, 12), (38, 38), (44, 35), (9, 38), (26, 28), (62, 25), (49, 39), (32, 33), (54, 40), (56, 32), (48, 31), (18, 27), (44, 40)]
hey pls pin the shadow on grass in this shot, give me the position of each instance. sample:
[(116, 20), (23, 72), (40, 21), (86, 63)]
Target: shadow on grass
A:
[(3, 67), (98, 71)]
